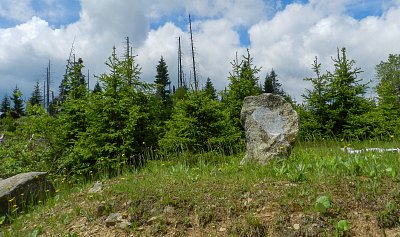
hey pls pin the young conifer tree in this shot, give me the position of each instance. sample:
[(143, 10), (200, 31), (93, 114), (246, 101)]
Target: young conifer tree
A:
[(18, 103), (162, 81), (36, 96), (5, 105), (210, 90)]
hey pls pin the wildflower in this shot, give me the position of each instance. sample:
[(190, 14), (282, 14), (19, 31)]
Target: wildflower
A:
[(57, 190), (12, 199), (14, 206)]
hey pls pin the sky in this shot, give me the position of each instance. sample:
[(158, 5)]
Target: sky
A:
[(284, 35)]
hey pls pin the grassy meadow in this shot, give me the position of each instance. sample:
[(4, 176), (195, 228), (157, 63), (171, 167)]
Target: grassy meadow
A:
[(318, 191)]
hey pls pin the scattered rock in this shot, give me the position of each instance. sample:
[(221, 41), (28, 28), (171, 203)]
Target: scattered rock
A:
[(378, 150), (118, 220), (113, 219), (97, 187), (271, 126), (152, 219), (100, 209), (296, 226), (123, 224), (169, 210), (21, 190)]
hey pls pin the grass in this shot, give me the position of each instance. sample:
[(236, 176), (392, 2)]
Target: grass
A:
[(213, 195)]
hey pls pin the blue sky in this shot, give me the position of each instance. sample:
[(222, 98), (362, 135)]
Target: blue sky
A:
[(282, 34), (58, 13)]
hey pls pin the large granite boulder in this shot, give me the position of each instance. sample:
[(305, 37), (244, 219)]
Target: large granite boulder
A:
[(271, 126), (22, 190)]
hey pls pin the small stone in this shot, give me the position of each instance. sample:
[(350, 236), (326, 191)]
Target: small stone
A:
[(169, 210), (113, 219), (123, 224), (97, 187), (222, 229), (100, 209), (128, 204), (152, 219), (296, 226)]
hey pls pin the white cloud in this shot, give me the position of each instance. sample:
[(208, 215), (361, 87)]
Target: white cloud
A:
[(238, 12), (26, 48), (290, 41), (18, 10), (215, 45)]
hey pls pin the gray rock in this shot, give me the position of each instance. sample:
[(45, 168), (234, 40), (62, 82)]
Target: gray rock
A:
[(118, 220), (113, 219), (271, 126), (169, 210), (24, 189), (97, 187)]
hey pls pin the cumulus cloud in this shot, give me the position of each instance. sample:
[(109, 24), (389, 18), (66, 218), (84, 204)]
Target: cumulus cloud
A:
[(289, 41), (286, 40), (26, 48), (16, 10), (238, 12)]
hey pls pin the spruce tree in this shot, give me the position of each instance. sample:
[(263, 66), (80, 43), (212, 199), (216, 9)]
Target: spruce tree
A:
[(315, 112), (97, 88), (243, 82), (272, 85), (200, 124), (210, 90), (346, 92), (5, 105), (74, 104), (63, 89), (162, 81), (18, 103), (336, 98), (75, 80), (36, 96)]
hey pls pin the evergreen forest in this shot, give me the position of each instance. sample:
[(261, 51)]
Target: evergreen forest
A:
[(124, 120)]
